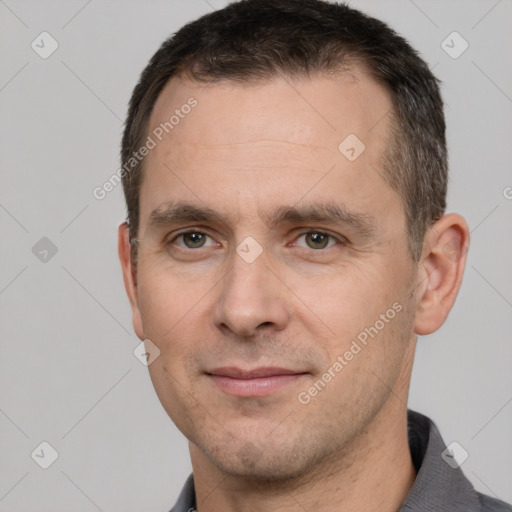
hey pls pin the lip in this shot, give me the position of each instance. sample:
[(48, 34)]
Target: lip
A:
[(253, 383)]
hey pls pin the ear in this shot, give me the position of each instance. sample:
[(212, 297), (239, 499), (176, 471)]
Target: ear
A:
[(440, 271), (129, 276)]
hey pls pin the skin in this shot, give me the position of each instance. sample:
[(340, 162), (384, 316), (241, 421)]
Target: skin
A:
[(244, 151)]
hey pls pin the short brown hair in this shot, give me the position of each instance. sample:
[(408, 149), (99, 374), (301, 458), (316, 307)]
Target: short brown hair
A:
[(252, 40)]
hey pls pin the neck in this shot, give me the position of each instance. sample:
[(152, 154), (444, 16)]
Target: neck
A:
[(358, 479)]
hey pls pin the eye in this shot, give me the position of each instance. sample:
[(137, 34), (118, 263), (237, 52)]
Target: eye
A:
[(316, 240), (192, 240)]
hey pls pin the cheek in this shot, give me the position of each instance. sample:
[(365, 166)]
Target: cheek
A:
[(361, 304), (165, 300), (346, 299), (170, 313), (169, 317)]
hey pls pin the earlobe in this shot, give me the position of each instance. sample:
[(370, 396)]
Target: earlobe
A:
[(441, 270), (129, 276)]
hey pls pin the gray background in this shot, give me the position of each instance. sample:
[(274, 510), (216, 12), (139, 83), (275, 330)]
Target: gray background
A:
[(67, 372)]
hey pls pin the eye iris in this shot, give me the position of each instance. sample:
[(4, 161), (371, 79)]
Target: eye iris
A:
[(194, 239), (319, 240)]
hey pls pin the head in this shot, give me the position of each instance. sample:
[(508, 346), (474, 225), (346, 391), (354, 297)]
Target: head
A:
[(288, 213)]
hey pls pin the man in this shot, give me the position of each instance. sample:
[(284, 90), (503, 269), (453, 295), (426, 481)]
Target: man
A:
[(285, 172)]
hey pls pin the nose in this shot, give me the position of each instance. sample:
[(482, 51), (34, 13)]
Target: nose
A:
[(251, 297)]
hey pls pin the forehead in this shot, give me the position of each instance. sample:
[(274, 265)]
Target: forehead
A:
[(271, 140), (301, 111)]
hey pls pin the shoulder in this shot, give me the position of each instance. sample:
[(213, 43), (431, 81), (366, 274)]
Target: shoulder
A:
[(490, 504)]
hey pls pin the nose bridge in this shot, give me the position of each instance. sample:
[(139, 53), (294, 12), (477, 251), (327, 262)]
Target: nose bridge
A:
[(250, 295)]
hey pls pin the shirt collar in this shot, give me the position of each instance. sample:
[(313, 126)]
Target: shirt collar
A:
[(438, 486)]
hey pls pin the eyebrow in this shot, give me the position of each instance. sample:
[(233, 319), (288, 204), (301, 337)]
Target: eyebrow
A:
[(325, 213)]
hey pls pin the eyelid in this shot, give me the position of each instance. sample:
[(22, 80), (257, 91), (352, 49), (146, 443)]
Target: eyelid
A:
[(189, 229)]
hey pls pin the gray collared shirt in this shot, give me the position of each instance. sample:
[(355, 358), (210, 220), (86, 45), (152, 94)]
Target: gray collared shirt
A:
[(437, 488)]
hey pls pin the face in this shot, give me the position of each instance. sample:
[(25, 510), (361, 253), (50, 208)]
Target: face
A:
[(273, 272)]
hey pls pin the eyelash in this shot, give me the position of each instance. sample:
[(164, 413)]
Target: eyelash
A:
[(341, 240)]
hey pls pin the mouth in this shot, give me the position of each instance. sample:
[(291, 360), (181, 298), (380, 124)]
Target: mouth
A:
[(257, 382)]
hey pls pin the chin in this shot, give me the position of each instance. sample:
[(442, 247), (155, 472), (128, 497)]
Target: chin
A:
[(247, 460), (261, 470)]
